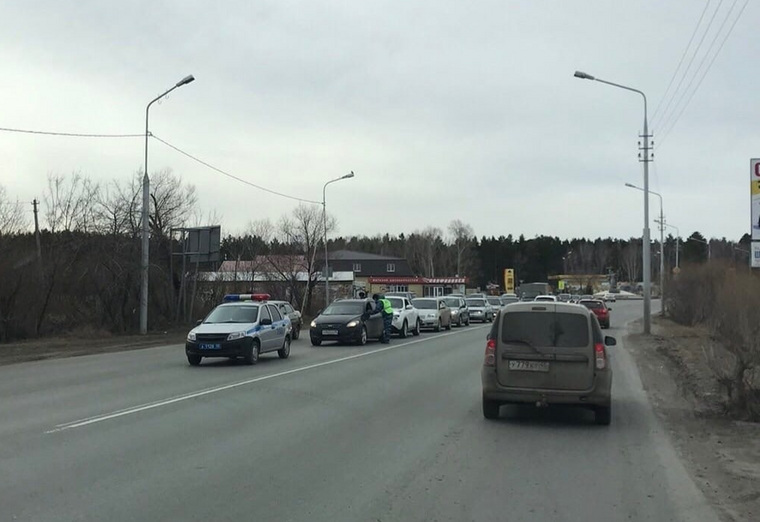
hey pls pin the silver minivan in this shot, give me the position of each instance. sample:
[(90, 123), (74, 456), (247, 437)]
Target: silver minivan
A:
[(547, 353)]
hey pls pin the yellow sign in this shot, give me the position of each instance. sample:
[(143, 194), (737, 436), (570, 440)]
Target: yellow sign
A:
[(509, 280), (561, 284)]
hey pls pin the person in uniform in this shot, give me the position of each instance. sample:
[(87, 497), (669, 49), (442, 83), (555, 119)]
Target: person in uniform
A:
[(383, 306)]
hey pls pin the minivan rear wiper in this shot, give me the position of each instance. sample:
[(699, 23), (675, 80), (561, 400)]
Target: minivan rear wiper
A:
[(526, 343)]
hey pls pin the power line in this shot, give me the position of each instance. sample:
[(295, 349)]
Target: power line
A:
[(220, 171), (691, 61), (680, 62), (707, 69), (71, 134)]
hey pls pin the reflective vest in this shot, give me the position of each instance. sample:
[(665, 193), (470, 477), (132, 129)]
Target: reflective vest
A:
[(387, 308)]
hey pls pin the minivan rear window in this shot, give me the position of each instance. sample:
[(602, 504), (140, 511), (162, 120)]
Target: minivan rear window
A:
[(555, 330)]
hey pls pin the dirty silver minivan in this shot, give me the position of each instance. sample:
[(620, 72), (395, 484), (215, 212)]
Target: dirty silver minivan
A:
[(547, 353)]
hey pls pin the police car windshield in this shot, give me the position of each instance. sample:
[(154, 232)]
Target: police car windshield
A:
[(344, 309), (233, 314)]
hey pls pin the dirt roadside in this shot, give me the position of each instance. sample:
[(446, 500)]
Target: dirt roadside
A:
[(85, 343), (722, 454)]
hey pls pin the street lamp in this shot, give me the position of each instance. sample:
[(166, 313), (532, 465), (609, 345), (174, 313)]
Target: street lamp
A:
[(645, 239), (709, 247), (324, 224), (661, 222), (678, 238), (145, 210)]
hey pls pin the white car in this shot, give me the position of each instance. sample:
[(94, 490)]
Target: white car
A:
[(406, 318), (548, 298)]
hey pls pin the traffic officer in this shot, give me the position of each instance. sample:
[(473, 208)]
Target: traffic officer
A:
[(383, 306)]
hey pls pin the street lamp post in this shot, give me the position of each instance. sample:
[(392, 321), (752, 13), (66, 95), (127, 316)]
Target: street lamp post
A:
[(661, 222), (145, 261), (646, 261), (678, 239), (324, 225)]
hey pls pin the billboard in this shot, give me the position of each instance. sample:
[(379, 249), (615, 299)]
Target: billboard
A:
[(754, 191), (754, 258), (202, 244), (509, 280)]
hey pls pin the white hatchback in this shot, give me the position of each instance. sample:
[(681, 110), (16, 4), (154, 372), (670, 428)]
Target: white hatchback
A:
[(406, 317)]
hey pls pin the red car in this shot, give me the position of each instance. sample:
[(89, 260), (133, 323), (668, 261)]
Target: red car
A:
[(600, 309)]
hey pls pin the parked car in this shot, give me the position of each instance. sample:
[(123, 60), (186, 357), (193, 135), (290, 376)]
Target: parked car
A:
[(551, 354), (548, 298), (347, 321), (296, 322), (480, 310), (495, 302), (460, 312), (600, 309), (433, 312), (406, 317), (510, 300), (408, 295), (575, 298), (564, 298), (244, 326), (503, 296)]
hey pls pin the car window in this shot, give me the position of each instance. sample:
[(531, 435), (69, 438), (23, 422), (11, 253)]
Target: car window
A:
[(423, 304), (476, 302), (592, 304), (396, 302), (288, 309), (555, 330), (265, 313), (340, 308), (233, 314), (276, 315)]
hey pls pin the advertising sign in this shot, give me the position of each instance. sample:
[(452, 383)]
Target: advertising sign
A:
[(754, 190), (509, 280), (754, 258)]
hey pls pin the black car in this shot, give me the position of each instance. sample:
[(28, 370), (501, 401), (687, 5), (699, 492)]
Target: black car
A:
[(347, 321), (287, 310)]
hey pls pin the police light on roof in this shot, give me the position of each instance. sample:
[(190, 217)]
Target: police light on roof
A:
[(246, 297)]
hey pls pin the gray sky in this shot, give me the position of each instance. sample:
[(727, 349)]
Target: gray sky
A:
[(444, 109)]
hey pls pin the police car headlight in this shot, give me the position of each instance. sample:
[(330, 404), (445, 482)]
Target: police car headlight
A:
[(235, 335), (191, 336), (313, 324), (353, 323)]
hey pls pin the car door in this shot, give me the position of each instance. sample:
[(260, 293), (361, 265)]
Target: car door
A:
[(280, 326), (410, 313), (266, 332), (375, 323), (444, 313)]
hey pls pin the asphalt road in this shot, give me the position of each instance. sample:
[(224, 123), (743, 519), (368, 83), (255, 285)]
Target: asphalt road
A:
[(336, 433)]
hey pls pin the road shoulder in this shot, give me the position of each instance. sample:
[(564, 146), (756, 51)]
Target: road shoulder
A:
[(721, 454)]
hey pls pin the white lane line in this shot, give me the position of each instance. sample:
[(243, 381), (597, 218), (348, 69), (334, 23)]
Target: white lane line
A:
[(165, 402)]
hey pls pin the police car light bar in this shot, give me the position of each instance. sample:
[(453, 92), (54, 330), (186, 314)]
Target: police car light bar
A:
[(246, 297)]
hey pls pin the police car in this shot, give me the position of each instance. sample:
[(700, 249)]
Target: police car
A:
[(244, 326)]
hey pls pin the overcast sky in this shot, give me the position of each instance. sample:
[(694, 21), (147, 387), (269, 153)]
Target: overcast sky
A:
[(444, 109)]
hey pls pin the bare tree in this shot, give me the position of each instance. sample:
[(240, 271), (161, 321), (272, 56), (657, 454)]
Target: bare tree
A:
[(173, 202), (70, 203), (13, 220), (461, 234), (631, 260), (421, 250)]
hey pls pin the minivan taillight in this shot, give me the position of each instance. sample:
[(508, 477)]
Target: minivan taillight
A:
[(490, 359), (600, 356)]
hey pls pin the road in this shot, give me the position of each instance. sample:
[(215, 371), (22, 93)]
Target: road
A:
[(336, 433)]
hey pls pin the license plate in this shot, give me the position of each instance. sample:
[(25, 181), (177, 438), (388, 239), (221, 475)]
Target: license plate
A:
[(215, 346), (529, 366), (329, 332)]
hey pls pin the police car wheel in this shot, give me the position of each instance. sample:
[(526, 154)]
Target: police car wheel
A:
[(252, 357), (284, 352), (194, 360)]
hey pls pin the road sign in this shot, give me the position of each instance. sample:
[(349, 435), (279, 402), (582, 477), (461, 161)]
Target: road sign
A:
[(754, 258), (754, 191)]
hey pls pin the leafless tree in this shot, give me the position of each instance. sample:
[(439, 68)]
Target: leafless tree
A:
[(13, 220), (70, 203), (631, 260), (461, 234), (172, 200), (421, 250)]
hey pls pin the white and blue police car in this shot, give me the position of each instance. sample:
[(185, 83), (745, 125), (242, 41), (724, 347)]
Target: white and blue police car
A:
[(244, 326)]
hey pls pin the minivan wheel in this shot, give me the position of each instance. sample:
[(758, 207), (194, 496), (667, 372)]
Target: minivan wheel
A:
[(490, 409), (603, 415), (404, 330)]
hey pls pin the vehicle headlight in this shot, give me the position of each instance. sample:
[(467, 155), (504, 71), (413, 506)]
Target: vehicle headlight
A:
[(191, 336), (313, 324), (353, 323), (235, 335), (396, 316)]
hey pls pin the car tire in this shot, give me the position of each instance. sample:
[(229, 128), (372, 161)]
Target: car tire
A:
[(362, 337), (490, 409), (316, 342), (404, 330), (296, 333), (417, 328), (467, 322), (603, 415), (194, 360), (459, 321), (284, 352), (438, 326), (252, 356)]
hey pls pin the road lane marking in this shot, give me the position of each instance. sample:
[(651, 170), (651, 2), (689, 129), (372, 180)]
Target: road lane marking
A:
[(208, 391)]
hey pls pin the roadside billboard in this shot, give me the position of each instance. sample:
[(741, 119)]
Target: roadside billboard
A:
[(509, 280), (754, 191), (754, 258)]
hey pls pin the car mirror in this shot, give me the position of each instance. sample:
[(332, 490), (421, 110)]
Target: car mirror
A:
[(609, 341), (199, 322), (265, 321), (408, 307)]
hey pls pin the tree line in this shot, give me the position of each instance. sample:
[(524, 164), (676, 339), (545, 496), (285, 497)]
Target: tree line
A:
[(83, 270)]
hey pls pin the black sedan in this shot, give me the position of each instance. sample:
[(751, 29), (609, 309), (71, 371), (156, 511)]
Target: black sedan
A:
[(347, 321)]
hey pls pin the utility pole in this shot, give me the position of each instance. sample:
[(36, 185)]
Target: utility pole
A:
[(37, 239)]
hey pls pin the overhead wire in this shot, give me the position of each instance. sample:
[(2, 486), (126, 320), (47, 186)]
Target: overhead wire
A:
[(680, 62), (674, 121), (232, 176), (71, 134), (688, 66)]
